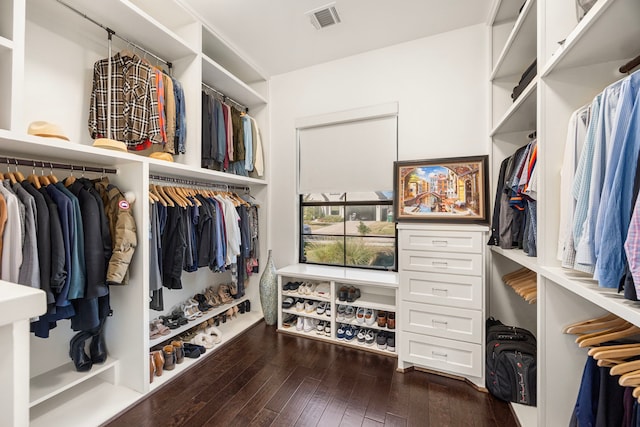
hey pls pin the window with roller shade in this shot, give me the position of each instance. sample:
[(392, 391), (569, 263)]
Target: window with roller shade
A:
[(345, 185)]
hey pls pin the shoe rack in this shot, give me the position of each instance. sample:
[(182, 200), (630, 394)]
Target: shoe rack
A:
[(378, 292)]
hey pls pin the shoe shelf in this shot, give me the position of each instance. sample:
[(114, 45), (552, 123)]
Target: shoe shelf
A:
[(372, 348), (62, 378), (192, 323), (354, 322), (303, 313), (374, 301), (230, 330), (305, 296), (311, 334)]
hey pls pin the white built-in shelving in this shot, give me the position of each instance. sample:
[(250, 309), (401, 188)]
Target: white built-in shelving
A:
[(520, 48), (521, 115), (518, 256)]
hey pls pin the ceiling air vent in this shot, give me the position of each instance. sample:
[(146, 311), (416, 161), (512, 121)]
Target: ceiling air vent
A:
[(324, 16)]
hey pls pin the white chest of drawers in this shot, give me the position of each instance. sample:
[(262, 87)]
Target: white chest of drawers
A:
[(442, 275)]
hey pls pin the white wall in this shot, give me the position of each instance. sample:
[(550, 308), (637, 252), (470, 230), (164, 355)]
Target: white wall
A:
[(439, 83)]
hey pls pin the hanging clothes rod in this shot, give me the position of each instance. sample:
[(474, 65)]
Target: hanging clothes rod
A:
[(226, 98), (11, 161), (110, 32), (626, 68), (183, 181)]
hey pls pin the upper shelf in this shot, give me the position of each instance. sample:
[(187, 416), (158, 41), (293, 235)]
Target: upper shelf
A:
[(518, 256), (520, 49), (521, 116), (123, 17), (504, 11), (221, 79), (340, 274), (179, 170), (609, 32)]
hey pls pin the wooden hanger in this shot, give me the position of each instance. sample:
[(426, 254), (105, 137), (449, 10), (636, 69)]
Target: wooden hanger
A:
[(602, 332), (615, 334), (164, 200), (51, 176), (623, 368), (630, 379), (596, 326), (596, 320)]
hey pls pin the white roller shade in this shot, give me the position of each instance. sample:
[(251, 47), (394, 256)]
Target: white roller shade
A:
[(354, 156)]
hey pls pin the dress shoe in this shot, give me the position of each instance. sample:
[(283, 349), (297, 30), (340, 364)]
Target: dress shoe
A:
[(158, 361), (247, 306), (169, 357), (98, 347), (178, 350), (80, 358)]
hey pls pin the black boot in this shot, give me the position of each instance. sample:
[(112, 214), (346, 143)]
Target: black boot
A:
[(76, 351), (98, 347)]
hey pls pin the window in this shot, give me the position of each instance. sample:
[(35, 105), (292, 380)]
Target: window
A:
[(345, 177), (348, 229)]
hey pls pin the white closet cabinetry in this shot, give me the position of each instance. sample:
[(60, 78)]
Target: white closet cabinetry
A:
[(47, 53), (442, 299)]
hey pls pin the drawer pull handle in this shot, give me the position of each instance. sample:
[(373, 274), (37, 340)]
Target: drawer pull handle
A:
[(442, 322), (437, 353), (442, 264), (434, 290), (440, 242)]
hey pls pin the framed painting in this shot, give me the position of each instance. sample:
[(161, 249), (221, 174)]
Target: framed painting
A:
[(452, 190)]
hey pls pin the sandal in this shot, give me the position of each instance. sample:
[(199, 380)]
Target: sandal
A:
[(223, 293)]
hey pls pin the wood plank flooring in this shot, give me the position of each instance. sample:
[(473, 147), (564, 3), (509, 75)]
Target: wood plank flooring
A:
[(263, 378)]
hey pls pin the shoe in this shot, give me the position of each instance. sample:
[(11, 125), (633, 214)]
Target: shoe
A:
[(341, 332), (323, 290), (320, 328), (361, 335), (341, 312), (322, 307), (310, 306), (214, 333), (382, 319), (158, 361), (241, 307), (247, 306), (294, 286), (381, 340), (309, 288), (169, 357), (193, 351), (178, 350), (309, 324), (327, 312), (327, 329), (152, 368), (98, 346), (350, 333), (225, 294), (288, 302), (203, 305), (360, 315), (204, 340), (353, 294), (391, 343), (370, 337), (300, 323), (391, 320), (369, 316), (343, 293), (349, 313), (288, 320), (157, 329), (80, 358), (300, 305)]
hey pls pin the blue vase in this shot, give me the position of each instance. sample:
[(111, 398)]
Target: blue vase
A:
[(269, 293)]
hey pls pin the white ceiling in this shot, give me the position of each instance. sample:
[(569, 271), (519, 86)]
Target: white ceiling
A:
[(277, 37)]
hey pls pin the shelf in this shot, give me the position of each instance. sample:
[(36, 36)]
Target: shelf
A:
[(374, 301), (123, 17), (608, 32), (518, 256), (216, 76), (211, 314), (89, 404), (504, 11), (5, 44), (56, 381), (521, 116), (303, 313), (375, 326), (344, 275), (527, 416), (520, 49), (305, 296), (311, 334), (178, 170), (583, 285), (374, 348), (229, 330)]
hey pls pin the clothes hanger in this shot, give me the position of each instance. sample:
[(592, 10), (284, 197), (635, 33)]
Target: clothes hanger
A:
[(70, 179), (42, 178), (601, 332), (621, 352), (173, 196), (604, 318), (153, 195), (10, 175), (625, 367), (33, 178), (52, 177), (165, 201), (17, 173), (515, 274), (629, 331), (591, 327), (630, 379)]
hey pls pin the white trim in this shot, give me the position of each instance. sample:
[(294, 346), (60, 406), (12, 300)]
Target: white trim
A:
[(365, 113)]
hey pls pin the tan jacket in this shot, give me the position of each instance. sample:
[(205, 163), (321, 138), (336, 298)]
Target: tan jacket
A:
[(122, 226)]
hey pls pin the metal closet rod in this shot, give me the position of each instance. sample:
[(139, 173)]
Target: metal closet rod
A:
[(226, 98), (11, 161), (110, 33), (191, 182)]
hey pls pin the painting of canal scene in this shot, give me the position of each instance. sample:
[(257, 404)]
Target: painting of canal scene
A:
[(442, 190)]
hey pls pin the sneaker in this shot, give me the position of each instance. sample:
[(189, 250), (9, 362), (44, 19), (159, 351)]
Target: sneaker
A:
[(300, 305), (320, 328), (361, 335), (309, 324), (349, 313), (300, 323), (341, 312), (360, 315), (341, 332), (369, 316), (310, 306), (327, 329), (350, 333), (323, 290), (289, 320), (381, 340), (327, 312), (370, 337), (391, 343), (322, 308)]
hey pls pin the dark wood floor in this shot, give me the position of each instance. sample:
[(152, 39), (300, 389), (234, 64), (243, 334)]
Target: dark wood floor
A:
[(268, 379)]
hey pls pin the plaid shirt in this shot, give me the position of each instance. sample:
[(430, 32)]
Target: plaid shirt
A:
[(134, 102)]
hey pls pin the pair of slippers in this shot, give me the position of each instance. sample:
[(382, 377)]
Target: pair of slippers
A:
[(207, 339)]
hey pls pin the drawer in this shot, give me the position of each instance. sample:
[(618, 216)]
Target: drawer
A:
[(442, 241), (442, 289), (441, 262), (444, 322), (442, 354)]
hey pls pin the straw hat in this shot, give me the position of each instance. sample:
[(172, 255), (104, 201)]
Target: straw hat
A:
[(161, 156), (110, 144), (46, 129)]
